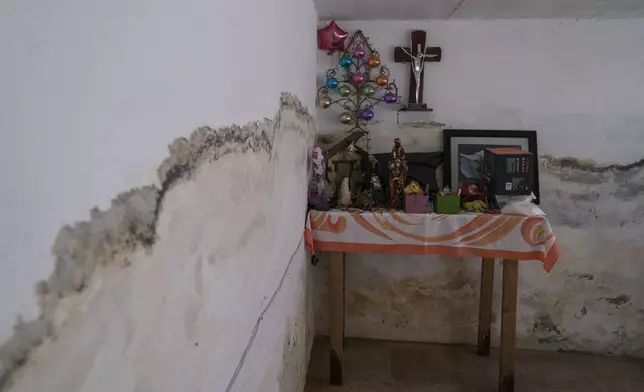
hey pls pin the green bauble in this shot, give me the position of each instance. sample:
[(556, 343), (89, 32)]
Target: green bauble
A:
[(367, 90), (344, 91)]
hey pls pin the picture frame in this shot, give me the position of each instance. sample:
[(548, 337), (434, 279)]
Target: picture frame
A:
[(462, 148)]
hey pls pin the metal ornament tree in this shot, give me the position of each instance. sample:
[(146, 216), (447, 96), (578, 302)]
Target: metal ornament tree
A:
[(363, 85)]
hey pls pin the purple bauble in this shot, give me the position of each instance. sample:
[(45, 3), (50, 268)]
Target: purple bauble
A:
[(358, 78), (358, 52), (390, 97), (366, 114)]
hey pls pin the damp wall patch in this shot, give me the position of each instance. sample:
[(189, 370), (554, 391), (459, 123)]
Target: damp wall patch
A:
[(591, 301), (186, 268)]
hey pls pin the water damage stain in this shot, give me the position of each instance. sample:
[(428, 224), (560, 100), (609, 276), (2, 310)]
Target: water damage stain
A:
[(586, 165), (544, 323), (109, 237), (617, 301)]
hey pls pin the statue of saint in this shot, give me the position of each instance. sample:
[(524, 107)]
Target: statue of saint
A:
[(318, 193), (397, 173)]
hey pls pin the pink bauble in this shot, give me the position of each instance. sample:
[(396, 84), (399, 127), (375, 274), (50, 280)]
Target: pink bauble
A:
[(358, 78), (358, 52)]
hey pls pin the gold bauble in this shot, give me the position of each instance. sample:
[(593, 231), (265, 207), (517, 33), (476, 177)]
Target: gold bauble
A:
[(374, 61), (324, 102), (382, 80), (346, 118)]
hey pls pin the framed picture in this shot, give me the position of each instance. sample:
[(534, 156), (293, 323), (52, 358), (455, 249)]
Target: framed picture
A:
[(463, 153)]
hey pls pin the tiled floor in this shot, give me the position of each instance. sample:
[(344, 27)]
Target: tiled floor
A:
[(379, 366)]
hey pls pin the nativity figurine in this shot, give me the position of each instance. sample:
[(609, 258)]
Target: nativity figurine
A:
[(344, 194)]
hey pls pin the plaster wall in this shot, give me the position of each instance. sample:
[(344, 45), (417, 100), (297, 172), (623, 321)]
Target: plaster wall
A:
[(92, 94), (578, 84), (218, 303)]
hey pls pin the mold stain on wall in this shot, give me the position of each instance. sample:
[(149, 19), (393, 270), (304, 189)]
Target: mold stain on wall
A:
[(128, 231), (592, 301)]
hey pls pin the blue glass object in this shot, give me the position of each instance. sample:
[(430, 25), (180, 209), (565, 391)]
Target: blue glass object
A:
[(332, 83), (345, 61)]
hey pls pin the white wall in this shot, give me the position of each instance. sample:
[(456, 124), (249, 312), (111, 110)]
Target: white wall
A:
[(91, 95), (182, 315), (579, 84), (92, 92)]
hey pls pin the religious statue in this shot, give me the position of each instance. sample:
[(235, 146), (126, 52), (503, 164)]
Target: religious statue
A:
[(417, 65), (377, 193), (397, 173), (417, 54), (344, 194), (318, 194)]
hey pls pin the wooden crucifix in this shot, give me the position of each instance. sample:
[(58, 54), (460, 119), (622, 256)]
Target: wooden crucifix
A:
[(417, 56)]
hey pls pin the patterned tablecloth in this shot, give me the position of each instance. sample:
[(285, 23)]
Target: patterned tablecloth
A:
[(513, 237)]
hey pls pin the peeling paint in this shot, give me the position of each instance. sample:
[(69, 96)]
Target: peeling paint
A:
[(619, 300), (544, 323), (110, 237), (586, 165)]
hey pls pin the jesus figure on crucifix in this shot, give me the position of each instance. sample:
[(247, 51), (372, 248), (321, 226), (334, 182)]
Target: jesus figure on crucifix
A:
[(418, 63), (417, 54)]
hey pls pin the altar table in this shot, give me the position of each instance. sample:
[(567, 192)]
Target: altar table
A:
[(508, 237)]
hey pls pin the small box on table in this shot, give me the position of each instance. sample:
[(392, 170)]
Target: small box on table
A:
[(508, 171), (416, 204), (447, 204)]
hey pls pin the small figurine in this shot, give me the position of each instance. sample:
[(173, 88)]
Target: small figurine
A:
[(318, 195), (377, 193), (397, 173), (317, 161), (344, 196), (398, 152), (471, 191), (414, 189), (375, 166)]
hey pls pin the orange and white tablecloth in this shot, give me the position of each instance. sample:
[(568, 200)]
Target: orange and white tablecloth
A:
[(513, 237)]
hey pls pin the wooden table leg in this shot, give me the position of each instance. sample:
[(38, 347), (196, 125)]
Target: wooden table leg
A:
[(336, 315), (508, 325), (485, 307)]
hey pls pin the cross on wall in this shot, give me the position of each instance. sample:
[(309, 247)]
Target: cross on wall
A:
[(431, 55)]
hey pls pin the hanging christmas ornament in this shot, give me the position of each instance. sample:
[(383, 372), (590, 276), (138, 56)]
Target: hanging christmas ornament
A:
[(331, 38), (332, 83), (345, 61), (367, 90), (374, 61), (391, 97), (358, 78), (367, 113), (324, 102), (346, 118), (358, 52), (382, 80), (344, 91), (357, 81)]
